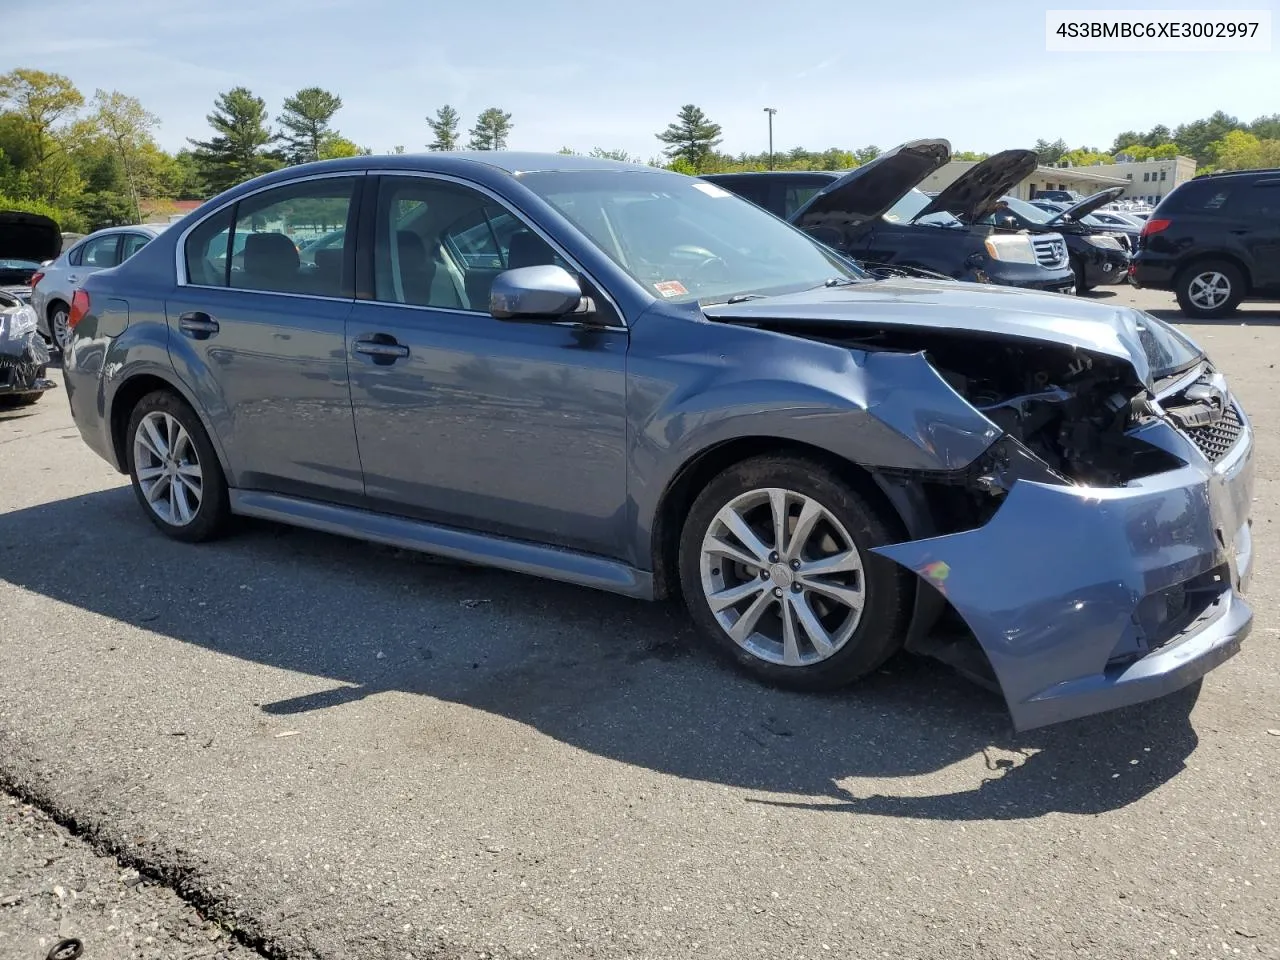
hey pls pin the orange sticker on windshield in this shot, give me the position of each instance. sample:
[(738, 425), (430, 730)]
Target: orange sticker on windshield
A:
[(670, 288)]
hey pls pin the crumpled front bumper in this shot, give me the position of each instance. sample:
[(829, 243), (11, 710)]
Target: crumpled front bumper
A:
[(23, 360), (1065, 587)]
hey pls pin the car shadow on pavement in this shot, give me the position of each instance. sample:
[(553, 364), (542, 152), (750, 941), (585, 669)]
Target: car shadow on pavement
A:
[(621, 679)]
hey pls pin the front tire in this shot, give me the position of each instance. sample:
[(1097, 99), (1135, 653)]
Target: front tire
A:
[(777, 572), (1209, 289), (175, 472)]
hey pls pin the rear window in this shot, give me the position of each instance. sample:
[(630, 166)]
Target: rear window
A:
[(1202, 196)]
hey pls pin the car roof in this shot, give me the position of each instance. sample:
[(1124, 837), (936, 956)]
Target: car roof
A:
[(508, 161), (1217, 174)]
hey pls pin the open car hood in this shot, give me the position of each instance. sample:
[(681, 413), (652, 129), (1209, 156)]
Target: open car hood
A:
[(1089, 204), (976, 191), (868, 191), (28, 236), (857, 311)]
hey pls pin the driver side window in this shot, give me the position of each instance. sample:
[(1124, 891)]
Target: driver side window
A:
[(440, 244)]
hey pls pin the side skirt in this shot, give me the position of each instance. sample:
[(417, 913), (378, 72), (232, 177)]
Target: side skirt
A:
[(518, 556)]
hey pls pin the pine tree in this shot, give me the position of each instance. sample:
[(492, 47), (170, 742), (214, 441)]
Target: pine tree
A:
[(692, 137), (304, 124), (445, 128), (237, 151), (492, 128)]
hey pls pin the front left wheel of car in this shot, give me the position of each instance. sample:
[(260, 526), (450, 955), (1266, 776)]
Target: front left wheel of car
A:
[(777, 572), (175, 471)]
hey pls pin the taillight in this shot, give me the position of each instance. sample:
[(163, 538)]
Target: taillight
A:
[(1154, 226), (79, 307), (36, 278)]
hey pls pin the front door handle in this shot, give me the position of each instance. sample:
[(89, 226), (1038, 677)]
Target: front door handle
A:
[(198, 326), (382, 347)]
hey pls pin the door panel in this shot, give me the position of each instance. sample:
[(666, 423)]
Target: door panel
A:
[(517, 429), (267, 361), (1262, 233)]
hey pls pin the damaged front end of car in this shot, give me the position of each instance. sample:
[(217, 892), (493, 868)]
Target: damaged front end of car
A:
[(1098, 549), (24, 357)]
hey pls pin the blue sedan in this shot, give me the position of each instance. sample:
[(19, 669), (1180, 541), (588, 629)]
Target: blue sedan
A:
[(633, 380)]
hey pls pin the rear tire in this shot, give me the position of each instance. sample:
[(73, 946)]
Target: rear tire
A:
[(772, 607), (1209, 289), (175, 471), (58, 315)]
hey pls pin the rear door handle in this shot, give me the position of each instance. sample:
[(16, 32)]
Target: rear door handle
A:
[(382, 347), (198, 326), (72, 278)]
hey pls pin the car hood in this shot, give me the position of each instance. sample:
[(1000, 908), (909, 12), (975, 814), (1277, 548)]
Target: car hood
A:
[(976, 191), (28, 236), (868, 191), (1149, 346), (1089, 204)]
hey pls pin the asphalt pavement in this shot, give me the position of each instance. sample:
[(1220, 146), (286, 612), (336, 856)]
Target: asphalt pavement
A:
[(339, 750)]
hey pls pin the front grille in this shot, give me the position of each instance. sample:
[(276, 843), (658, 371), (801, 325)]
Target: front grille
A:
[(1215, 440), (1051, 252)]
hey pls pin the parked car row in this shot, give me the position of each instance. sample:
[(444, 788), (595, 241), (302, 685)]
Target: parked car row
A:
[(973, 230), (634, 380)]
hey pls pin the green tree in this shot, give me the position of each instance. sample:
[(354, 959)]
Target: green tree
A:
[(599, 153), (40, 103), (691, 138), (333, 146), (127, 127), (305, 123), (1196, 138), (1050, 153), (492, 128), (237, 151), (445, 128)]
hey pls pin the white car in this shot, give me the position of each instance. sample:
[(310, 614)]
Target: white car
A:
[(53, 286)]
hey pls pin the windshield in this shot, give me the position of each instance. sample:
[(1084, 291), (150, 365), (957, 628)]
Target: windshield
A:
[(685, 239), (1027, 211), (18, 265), (910, 206)]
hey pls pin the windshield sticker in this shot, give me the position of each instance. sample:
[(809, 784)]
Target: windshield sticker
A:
[(670, 288), (711, 190)]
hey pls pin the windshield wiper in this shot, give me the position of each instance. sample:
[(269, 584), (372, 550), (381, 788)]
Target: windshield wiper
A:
[(839, 281), (743, 297)]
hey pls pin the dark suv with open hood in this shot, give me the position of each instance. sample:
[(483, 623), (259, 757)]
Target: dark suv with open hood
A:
[(875, 215), (1098, 256), (26, 240)]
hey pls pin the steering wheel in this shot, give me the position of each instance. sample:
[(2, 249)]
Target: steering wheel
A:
[(710, 269)]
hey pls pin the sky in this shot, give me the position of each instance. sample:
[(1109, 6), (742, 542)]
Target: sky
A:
[(588, 74)]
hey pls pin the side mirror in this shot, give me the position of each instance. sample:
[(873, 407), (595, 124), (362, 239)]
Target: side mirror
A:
[(543, 292)]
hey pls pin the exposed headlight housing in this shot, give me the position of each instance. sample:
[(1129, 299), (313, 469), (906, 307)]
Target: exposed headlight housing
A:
[(1102, 240), (18, 322), (1010, 248)]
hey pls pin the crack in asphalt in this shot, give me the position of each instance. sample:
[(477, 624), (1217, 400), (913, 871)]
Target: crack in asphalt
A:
[(183, 884)]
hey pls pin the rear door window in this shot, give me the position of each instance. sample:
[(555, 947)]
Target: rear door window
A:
[(133, 242), (101, 252)]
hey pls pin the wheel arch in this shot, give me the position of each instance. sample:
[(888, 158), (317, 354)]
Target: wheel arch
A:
[(698, 470), (126, 398), (1225, 256)]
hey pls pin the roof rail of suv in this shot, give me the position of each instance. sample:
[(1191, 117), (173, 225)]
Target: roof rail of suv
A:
[(1235, 173)]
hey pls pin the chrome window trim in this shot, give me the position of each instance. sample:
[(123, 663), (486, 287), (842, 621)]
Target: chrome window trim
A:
[(422, 308), (506, 205), (180, 248)]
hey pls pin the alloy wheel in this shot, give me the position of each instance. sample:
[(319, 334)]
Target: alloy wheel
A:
[(168, 468), (58, 328), (782, 577), (1209, 290)]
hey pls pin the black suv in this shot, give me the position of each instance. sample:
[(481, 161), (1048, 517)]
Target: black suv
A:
[(1098, 255), (1214, 241), (875, 215)]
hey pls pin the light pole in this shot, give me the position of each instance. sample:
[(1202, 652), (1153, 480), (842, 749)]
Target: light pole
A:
[(770, 111)]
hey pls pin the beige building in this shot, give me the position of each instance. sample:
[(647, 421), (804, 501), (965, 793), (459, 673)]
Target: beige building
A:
[(1150, 180)]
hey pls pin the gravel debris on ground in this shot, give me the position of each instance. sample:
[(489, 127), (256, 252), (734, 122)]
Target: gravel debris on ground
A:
[(55, 886)]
